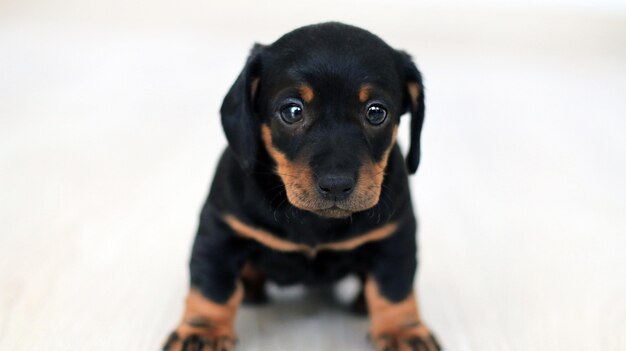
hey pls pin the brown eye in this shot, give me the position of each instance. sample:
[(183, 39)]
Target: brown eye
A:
[(376, 114), (291, 113)]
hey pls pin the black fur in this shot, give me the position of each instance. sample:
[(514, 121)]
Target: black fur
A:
[(334, 59), (240, 125)]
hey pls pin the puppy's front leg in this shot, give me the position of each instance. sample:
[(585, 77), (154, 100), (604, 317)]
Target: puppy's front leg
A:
[(397, 325), (216, 292), (394, 315), (206, 325)]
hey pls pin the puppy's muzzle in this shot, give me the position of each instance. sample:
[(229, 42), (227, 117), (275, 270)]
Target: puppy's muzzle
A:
[(335, 186)]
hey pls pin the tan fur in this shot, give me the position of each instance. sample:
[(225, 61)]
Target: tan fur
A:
[(394, 323), (270, 240), (373, 235), (209, 320), (297, 177), (306, 92), (264, 237), (371, 177), (301, 189), (365, 92)]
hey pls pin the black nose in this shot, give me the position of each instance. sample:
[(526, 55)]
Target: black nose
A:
[(337, 186)]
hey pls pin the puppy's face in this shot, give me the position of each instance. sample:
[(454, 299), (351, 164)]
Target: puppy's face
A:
[(329, 104)]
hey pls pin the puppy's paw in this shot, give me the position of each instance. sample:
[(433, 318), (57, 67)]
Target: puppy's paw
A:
[(206, 325), (199, 342), (411, 338)]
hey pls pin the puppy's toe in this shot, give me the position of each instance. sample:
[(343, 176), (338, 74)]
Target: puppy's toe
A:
[(419, 344), (196, 342), (417, 338), (225, 344)]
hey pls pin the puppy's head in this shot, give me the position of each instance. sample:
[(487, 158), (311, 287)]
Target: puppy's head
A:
[(324, 102)]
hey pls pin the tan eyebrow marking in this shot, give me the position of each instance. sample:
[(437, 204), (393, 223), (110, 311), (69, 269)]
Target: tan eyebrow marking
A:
[(364, 92), (306, 92), (270, 240)]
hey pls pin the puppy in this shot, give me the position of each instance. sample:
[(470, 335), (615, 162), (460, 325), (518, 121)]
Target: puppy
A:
[(312, 186)]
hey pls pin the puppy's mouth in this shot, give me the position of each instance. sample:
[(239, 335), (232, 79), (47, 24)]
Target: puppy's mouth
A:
[(332, 208), (333, 211)]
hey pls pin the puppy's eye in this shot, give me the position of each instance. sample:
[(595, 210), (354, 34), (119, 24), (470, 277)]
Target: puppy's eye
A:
[(291, 113), (376, 114)]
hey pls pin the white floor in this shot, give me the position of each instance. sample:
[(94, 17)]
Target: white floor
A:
[(109, 136)]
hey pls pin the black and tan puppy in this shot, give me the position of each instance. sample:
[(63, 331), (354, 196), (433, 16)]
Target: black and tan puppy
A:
[(312, 186)]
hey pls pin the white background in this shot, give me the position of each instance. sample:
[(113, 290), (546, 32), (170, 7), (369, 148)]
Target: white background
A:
[(109, 136)]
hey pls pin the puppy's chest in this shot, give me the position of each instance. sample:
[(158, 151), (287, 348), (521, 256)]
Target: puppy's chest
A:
[(285, 268), (315, 255), (310, 241)]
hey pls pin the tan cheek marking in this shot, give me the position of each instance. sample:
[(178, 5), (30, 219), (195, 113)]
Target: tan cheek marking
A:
[(372, 176), (298, 178), (373, 235), (383, 162), (264, 237), (364, 92), (279, 157), (306, 92)]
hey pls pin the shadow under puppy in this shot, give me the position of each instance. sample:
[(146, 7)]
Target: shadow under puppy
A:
[(312, 186)]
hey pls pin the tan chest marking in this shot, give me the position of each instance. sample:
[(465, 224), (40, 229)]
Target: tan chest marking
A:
[(270, 240)]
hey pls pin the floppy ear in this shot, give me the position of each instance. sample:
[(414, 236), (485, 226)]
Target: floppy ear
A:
[(240, 124), (414, 102)]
